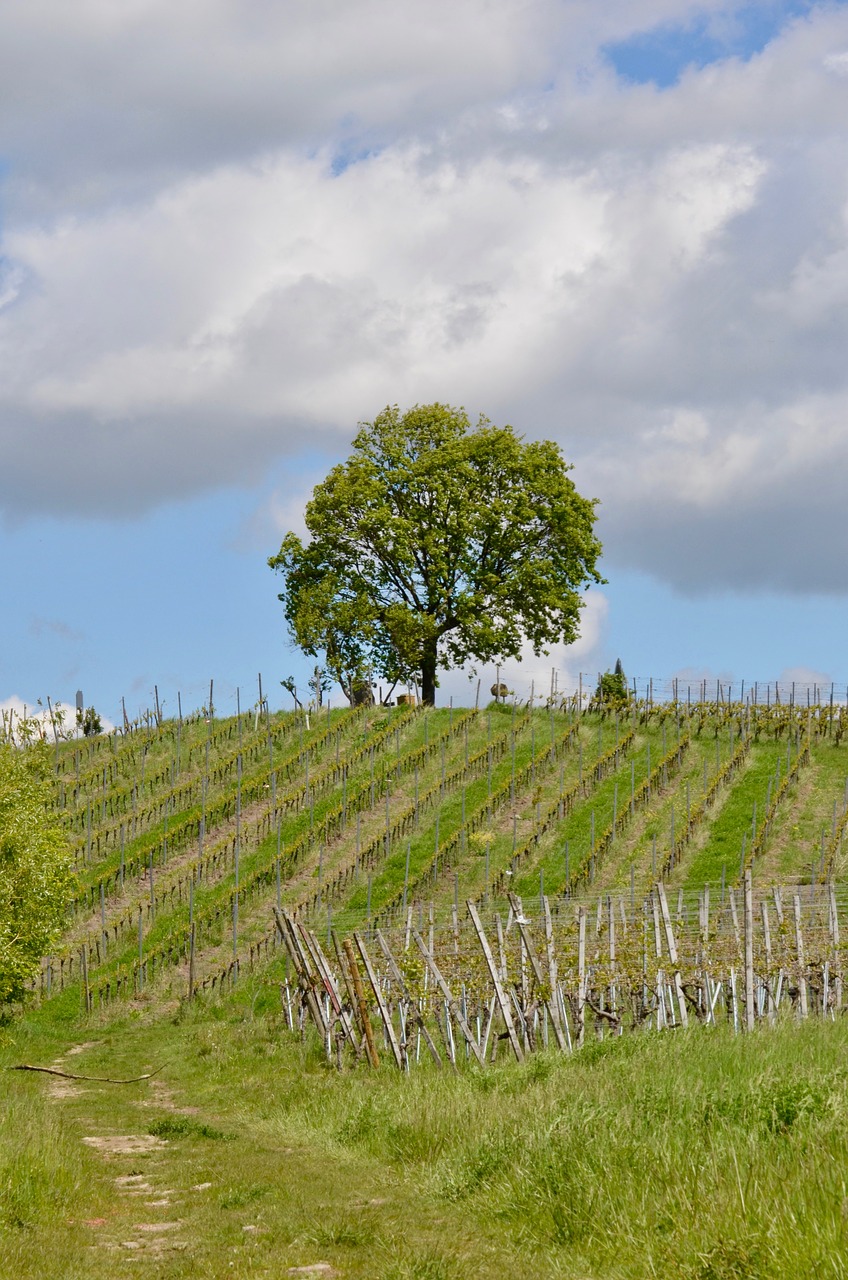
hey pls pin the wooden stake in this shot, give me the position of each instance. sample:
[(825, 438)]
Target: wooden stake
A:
[(302, 966), (361, 1006), (330, 985), (381, 1003), (398, 978), (581, 975), (672, 952), (550, 1002), (767, 944), (778, 904), (748, 892), (500, 994), (453, 1004), (834, 934), (657, 934), (86, 990), (359, 1043), (191, 963), (799, 943), (553, 972), (735, 918)]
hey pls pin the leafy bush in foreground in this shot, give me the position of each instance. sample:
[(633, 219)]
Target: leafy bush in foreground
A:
[(36, 874)]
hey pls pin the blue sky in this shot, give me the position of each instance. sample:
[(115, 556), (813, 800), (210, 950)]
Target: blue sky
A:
[(610, 225), (185, 595), (661, 54)]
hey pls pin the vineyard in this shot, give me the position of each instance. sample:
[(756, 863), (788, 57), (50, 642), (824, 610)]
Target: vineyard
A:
[(404, 993), (599, 847)]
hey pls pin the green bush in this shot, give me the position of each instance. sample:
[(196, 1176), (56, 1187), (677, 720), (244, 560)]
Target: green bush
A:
[(36, 877)]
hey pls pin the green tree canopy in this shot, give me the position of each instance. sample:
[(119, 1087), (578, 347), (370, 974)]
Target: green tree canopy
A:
[(90, 722), (437, 542), (612, 687), (36, 873)]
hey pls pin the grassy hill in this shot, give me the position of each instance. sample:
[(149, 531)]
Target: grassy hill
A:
[(703, 1155), (358, 815)]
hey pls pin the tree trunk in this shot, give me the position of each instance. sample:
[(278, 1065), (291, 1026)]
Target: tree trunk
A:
[(361, 694), (357, 690), (428, 674)]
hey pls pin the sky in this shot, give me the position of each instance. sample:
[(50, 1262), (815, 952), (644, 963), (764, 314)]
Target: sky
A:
[(231, 230)]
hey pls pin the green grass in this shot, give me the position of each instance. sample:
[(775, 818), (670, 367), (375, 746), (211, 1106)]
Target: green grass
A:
[(734, 819), (648, 838), (808, 812), (697, 1155), (596, 809), (694, 1155), (183, 1127)]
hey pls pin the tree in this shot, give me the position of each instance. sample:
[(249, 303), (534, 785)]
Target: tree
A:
[(90, 723), (437, 542), (612, 688), (36, 874)]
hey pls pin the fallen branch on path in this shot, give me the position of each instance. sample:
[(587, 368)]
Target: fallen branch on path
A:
[(66, 1075)]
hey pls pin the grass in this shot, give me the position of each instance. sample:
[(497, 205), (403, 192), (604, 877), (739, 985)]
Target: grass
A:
[(734, 819), (817, 797), (696, 1155), (183, 1127), (646, 844), (42, 1170)]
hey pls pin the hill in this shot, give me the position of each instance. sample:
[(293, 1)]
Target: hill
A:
[(354, 817), (507, 899)]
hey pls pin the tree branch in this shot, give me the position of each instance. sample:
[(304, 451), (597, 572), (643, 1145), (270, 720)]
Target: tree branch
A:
[(66, 1075), (602, 1013)]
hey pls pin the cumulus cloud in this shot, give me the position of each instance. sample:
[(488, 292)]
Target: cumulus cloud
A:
[(102, 102), (560, 667), (187, 366), (252, 225)]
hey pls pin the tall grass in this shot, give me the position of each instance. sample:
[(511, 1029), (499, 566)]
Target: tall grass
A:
[(41, 1169), (697, 1155), (48, 1187)]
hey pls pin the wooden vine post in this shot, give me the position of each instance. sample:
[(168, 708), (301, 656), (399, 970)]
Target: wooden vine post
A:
[(748, 893), (361, 1006), (771, 1006), (802, 970), (672, 955), (834, 937), (381, 1003), (451, 1000), (550, 1002), (415, 1008), (302, 967), (581, 975), (500, 994)]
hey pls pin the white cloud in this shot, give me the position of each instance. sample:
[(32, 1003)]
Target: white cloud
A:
[(408, 277), (561, 665), (190, 287), (837, 62), (103, 102)]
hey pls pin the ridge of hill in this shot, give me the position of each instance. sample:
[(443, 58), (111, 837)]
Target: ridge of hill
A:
[(187, 832)]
